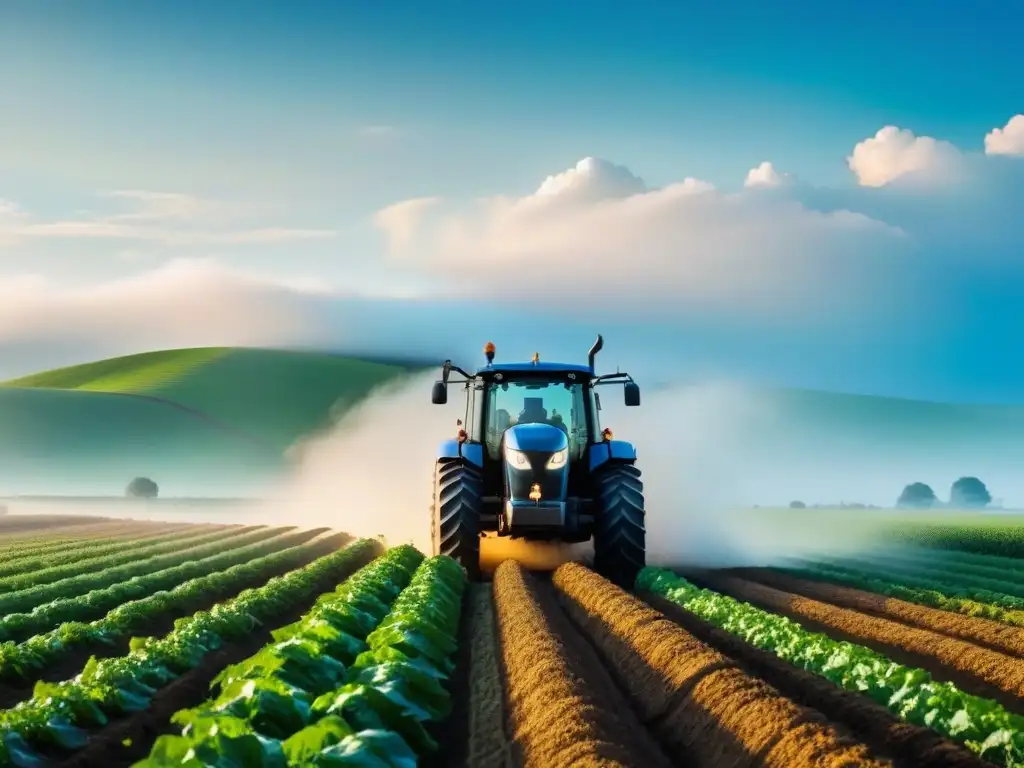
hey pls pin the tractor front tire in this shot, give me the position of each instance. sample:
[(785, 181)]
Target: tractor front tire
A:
[(455, 516), (620, 539)]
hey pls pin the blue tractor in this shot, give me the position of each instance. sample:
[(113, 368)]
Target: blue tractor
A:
[(531, 461)]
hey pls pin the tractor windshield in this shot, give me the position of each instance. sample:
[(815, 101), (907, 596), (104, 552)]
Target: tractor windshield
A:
[(560, 404)]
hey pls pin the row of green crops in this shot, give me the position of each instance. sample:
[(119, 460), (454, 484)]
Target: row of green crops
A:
[(994, 537), (981, 576), (43, 543), (349, 686), (23, 661), (943, 580), (27, 599), (143, 552), (83, 553), (911, 694), (83, 607), (922, 591), (59, 715)]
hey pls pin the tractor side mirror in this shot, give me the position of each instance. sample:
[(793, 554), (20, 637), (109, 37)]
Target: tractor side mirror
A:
[(631, 392), (439, 394)]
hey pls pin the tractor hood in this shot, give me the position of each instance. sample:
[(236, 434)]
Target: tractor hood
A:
[(535, 438), (536, 464)]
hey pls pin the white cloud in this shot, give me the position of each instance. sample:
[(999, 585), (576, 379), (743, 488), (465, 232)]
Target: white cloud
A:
[(163, 218), (595, 235), (765, 175), (401, 220), (1008, 140), (894, 153), (592, 179)]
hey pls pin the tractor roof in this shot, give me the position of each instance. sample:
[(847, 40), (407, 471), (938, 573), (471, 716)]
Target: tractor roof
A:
[(533, 368)]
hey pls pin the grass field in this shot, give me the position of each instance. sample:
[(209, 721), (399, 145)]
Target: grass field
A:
[(216, 417), (365, 655)]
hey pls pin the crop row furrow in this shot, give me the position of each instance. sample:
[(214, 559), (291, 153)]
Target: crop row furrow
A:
[(987, 634), (925, 593), (981, 724), (913, 579), (144, 551), (326, 679), (84, 553), (20, 661), (79, 585), (59, 716), (932, 570)]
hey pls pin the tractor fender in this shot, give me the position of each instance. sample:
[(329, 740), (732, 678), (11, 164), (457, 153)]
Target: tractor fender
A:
[(611, 450), (453, 449)]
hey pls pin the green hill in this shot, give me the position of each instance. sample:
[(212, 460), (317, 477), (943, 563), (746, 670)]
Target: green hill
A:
[(216, 411), (274, 396)]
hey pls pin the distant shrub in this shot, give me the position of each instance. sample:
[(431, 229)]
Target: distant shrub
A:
[(969, 493), (797, 505), (142, 488), (917, 496)]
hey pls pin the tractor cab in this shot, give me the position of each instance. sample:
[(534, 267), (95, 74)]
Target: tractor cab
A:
[(530, 460)]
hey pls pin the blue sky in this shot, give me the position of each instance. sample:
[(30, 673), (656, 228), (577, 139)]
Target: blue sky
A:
[(240, 153)]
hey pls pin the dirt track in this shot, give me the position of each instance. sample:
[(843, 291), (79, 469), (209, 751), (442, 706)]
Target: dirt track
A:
[(579, 672)]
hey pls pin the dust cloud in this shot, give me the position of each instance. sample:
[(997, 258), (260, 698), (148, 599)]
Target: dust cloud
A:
[(708, 452), (372, 474)]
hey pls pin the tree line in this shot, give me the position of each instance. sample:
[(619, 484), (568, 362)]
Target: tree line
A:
[(965, 493)]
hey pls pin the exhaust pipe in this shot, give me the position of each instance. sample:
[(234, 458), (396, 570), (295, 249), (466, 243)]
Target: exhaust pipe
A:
[(598, 346)]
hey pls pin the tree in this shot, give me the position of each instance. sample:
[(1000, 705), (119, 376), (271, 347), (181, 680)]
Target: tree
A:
[(142, 488), (969, 493), (797, 505), (918, 496)]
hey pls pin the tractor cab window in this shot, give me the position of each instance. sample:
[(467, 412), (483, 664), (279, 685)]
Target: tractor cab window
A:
[(536, 402)]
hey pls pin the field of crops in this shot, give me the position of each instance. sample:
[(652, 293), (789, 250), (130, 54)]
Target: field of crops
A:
[(157, 644)]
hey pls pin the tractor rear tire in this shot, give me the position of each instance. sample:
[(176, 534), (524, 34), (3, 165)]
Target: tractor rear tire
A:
[(619, 533), (455, 515)]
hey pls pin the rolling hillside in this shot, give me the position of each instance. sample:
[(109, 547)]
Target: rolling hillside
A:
[(210, 421), (193, 413)]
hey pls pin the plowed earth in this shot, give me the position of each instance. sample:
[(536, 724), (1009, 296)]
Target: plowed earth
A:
[(576, 671), (973, 668)]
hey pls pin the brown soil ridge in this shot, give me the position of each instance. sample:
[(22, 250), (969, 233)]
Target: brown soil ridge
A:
[(980, 631), (701, 704), (909, 746), (475, 737), (126, 740), (563, 708), (974, 669)]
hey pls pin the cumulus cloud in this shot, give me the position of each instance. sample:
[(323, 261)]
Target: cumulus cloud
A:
[(592, 179), (894, 153), (765, 175), (596, 231), (1008, 140)]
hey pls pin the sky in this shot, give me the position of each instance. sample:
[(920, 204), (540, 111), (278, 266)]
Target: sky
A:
[(817, 195)]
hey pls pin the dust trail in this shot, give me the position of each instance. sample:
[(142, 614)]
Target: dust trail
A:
[(705, 450), (372, 472)]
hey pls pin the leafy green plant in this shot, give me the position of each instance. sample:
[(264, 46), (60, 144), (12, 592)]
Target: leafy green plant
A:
[(60, 714), (911, 694), (352, 683), (19, 661)]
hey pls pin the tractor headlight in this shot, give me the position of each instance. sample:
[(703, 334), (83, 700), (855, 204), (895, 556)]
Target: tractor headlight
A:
[(517, 459), (558, 460)]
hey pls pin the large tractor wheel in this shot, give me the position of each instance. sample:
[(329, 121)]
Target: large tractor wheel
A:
[(619, 534), (455, 515)]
